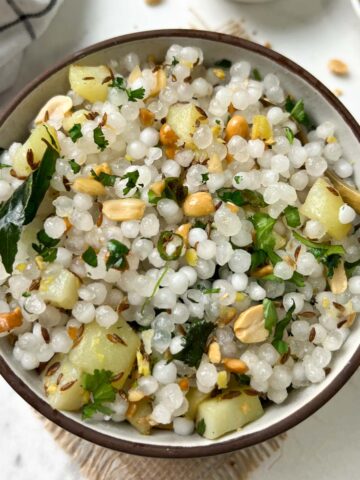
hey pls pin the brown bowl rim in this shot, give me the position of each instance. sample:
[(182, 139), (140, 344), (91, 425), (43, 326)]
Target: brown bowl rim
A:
[(222, 446)]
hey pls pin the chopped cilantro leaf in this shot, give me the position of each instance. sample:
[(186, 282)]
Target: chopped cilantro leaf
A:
[(278, 342), (270, 314), (90, 257), (99, 384), (289, 134), (75, 132), (240, 198), (105, 178), (263, 225), (297, 111), (133, 95), (256, 75), (174, 62), (75, 167), (4, 165), (99, 138), (292, 216), (200, 427), (195, 342), (204, 177), (132, 178), (46, 246), (117, 252), (238, 179)]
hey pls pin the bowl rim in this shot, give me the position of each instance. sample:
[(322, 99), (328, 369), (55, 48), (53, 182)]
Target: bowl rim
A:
[(222, 446)]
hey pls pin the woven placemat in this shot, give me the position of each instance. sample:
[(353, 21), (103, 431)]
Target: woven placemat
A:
[(97, 463)]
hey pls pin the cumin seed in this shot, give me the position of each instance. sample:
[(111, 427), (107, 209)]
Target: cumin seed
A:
[(89, 78), (117, 377), (106, 80), (67, 386), (52, 369), (35, 284), (114, 338), (251, 392), (333, 191), (59, 378), (66, 183), (45, 335), (297, 252), (342, 323), (230, 395), (312, 334), (339, 307)]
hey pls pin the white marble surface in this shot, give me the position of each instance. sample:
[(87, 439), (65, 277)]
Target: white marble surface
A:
[(310, 32)]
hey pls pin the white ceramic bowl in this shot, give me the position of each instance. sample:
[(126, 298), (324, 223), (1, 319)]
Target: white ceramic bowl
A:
[(322, 105)]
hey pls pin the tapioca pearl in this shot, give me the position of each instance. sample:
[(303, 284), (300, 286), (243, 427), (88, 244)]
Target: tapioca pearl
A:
[(181, 72), (5, 190), (275, 115), (281, 145), (223, 95), (240, 261), (54, 227), (297, 156), (206, 249), (161, 414), (262, 371), (239, 281), (167, 207), (191, 274), (333, 152), (224, 252), (320, 333), (34, 304), (227, 294), (82, 202), (142, 246), (164, 298), (130, 61), (256, 148), (280, 163), (180, 313), (106, 316), (269, 177), (205, 268), (206, 375), (203, 137), (164, 372), (299, 180), (259, 386), (314, 149), (177, 344), (196, 236), (155, 259), (240, 70), (149, 226), (183, 426), (51, 317), (137, 150), (293, 298), (201, 87), (130, 228), (238, 147), (333, 341), (354, 285), (280, 378), (84, 312), (45, 353), (28, 342), (283, 270), (163, 321), (306, 263), (98, 292), (149, 136), (328, 322), (170, 168), (271, 194), (321, 357), (313, 372), (325, 129), (343, 168), (316, 166), (64, 257), (29, 361), (178, 283), (277, 396), (314, 229), (346, 214), (148, 385), (300, 329), (60, 340), (82, 220), (215, 182), (256, 292), (170, 396), (268, 353), (298, 375)]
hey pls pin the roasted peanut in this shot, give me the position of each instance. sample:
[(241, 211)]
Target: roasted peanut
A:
[(10, 320), (167, 135), (198, 204), (89, 186), (250, 325), (235, 365), (338, 283), (55, 108), (183, 231), (237, 125), (214, 352), (124, 209), (146, 117)]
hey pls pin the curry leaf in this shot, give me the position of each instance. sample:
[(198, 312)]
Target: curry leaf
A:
[(22, 206), (292, 216), (278, 342), (117, 255), (90, 257), (270, 314)]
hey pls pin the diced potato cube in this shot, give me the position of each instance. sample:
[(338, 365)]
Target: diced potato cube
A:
[(182, 118), (194, 397), (261, 128), (111, 349), (322, 204), (227, 412), (140, 418), (62, 384), (59, 287), (90, 83), (77, 117), (31, 153)]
